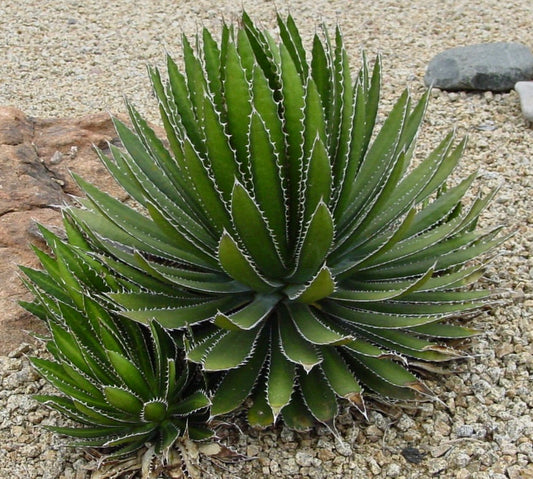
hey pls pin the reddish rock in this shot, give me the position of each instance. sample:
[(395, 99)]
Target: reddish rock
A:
[(35, 158), (67, 144)]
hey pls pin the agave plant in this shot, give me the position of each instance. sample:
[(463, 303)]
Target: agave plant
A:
[(128, 385), (301, 253)]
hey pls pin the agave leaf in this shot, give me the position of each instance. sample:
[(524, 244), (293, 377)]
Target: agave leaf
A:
[(321, 286), (321, 73), (362, 347), (147, 153), (246, 53), (153, 173), (121, 172), (176, 318), (254, 232), (376, 168), (404, 249), (46, 304), (138, 435), (173, 380), (316, 242), (347, 101), (198, 432), (293, 42), (422, 309), (164, 184), (454, 251), (449, 331), (213, 65), (138, 300), (240, 267), (312, 328), (205, 189), (408, 189), (249, 316), (238, 383), (176, 130), (70, 350), (281, 374), (123, 399), (169, 433), (154, 411), (319, 398), (336, 112), (432, 213), (369, 294), (317, 178), (198, 252), (75, 237), (221, 156), (34, 308), (446, 167), (266, 53), (314, 122), (408, 344), (198, 350), (111, 336), (86, 432), (294, 346), (238, 104), (120, 452), (260, 414), (296, 415), (377, 319), (165, 350), (293, 102), (136, 277), (384, 377), (130, 374), (412, 125), (134, 341), (97, 416), (180, 96), (367, 94), (231, 350), (196, 401), (199, 281), (196, 81), (447, 296), (266, 106), (67, 385), (139, 230), (447, 280), (49, 264), (69, 267), (46, 284), (82, 330), (65, 406), (340, 377), (358, 238), (267, 172)]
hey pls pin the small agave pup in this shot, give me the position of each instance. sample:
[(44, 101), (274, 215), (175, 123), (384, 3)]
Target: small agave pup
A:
[(128, 385), (302, 255)]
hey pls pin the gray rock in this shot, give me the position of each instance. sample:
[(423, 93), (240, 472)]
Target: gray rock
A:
[(525, 92), (485, 66)]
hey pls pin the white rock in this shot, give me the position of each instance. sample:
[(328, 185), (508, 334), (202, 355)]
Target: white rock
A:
[(525, 92)]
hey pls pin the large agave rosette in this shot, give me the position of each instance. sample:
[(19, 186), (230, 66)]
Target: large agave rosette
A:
[(302, 254)]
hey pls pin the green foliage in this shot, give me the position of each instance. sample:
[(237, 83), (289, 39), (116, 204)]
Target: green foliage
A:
[(126, 384), (303, 256)]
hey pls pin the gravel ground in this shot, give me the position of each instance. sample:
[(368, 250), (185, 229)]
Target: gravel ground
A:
[(65, 58)]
